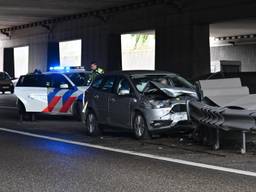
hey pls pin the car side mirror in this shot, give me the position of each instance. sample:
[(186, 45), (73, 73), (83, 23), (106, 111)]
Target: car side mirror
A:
[(124, 92), (64, 86)]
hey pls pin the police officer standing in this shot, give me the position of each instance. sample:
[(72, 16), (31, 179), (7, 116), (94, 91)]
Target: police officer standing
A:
[(96, 71)]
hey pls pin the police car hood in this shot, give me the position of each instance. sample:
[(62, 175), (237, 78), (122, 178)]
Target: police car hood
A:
[(82, 88), (170, 91)]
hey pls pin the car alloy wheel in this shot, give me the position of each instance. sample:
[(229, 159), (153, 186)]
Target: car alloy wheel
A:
[(92, 125), (140, 127)]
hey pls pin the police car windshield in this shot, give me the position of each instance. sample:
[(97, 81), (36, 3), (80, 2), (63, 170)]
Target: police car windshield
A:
[(140, 81), (79, 79)]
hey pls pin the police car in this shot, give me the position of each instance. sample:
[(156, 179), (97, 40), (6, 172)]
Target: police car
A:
[(59, 92)]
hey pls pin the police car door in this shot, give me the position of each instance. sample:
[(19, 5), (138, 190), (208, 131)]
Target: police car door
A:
[(60, 91), (32, 92)]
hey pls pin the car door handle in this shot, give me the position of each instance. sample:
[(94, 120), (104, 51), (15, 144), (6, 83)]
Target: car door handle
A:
[(96, 97)]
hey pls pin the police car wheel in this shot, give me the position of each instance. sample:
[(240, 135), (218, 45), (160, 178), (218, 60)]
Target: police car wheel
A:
[(92, 124), (21, 111), (140, 128), (23, 115)]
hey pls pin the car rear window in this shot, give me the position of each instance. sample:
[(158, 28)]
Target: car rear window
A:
[(32, 81)]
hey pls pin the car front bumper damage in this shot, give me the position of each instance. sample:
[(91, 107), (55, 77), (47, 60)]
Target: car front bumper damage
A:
[(166, 118)]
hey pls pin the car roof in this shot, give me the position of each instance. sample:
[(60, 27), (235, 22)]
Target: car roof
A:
[(139, 72), (124, 73), (56, 72), (67, 72)]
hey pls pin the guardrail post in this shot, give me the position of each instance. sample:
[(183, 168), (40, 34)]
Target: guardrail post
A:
[(243, 149), (217, 144)]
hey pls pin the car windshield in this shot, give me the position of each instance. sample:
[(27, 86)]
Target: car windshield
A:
[(3, 76), (80, 79), (140, 81)]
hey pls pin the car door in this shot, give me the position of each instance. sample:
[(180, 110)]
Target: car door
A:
[(59, 94), (120, 103), (31, 90), (101, 97)]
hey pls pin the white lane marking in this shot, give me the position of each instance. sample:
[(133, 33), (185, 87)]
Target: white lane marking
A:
[(156, 157)]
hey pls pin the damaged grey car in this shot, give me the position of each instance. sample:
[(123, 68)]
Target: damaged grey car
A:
[(144, 102)]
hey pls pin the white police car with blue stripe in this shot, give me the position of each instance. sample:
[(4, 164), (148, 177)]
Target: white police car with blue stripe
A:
[(58, 92)]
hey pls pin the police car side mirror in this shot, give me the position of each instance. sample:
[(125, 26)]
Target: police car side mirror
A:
[(64, 86)]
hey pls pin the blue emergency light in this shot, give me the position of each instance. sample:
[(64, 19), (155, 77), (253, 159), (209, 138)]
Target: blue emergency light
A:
[(64, 69)]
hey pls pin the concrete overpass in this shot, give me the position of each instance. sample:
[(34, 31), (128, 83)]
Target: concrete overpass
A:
[(181, 26)]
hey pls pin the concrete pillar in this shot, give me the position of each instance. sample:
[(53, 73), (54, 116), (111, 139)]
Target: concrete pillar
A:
[(94, 48), (38, 56), (104, 48), (53, 54), (201, 50), (183, 49), (114, 52), (1, 58), (9, 61)]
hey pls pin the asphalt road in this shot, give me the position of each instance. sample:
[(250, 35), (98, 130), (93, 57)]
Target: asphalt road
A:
[(36, 164), (29, 164)]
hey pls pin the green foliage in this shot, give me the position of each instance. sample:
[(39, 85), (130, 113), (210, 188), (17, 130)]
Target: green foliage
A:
[(141, 39)]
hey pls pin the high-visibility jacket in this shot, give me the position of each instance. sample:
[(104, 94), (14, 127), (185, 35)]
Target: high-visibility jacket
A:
[(96, 73)]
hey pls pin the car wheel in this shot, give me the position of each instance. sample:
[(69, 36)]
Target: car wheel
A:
[(91, 124), (21, 111), (3, 92), (23, 115), (12, 91), (140, 127)]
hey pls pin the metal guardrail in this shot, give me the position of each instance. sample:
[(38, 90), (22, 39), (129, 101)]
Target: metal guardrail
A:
[(223, 118)]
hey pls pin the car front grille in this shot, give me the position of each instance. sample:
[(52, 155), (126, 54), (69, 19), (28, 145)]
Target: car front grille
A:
[(179, 108)]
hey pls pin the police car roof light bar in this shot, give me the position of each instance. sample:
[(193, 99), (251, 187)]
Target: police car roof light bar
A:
[(65, 69)]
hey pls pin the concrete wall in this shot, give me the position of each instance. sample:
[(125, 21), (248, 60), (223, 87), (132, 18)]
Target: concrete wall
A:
[(182, 35), (37, 48), (245, 53)]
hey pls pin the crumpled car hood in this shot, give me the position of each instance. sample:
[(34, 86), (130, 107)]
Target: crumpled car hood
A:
[(173, 91)]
